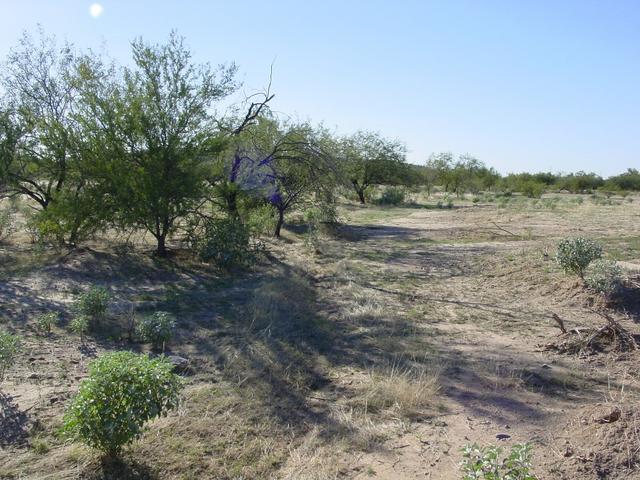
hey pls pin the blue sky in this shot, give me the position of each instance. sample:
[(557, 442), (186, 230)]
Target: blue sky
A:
[(522, 85)]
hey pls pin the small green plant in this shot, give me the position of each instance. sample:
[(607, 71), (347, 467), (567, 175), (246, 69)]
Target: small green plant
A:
[(9, 349), (392, 196), (122, 392), (225, 242), (93, 305), (575, 254), (486, 463), (80, 326), (46, 321), (157, 329), (604, 276)]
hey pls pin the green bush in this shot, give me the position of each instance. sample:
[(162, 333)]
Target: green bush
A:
[(9, 349), (46, 321), (157, 329), (485, 463), (575, 254), (80, 325), (225, 242), (122, 392), (604, 276), (93, 305), (392, 196), (261, 221), (532, 189)]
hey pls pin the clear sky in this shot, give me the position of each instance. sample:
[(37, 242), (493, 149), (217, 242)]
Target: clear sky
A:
[(522, 85)]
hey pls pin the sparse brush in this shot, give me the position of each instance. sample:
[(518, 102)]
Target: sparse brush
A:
[(604, 276), (92, 305), (9, 349), (157, 329), (575, 254), (46, 321), (80, 326)]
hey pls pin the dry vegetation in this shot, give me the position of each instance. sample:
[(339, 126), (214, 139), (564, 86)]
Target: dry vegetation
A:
[(406, 333)]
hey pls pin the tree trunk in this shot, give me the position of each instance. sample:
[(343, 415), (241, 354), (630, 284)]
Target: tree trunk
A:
[(361, 196), (279, 224), (161, 250)]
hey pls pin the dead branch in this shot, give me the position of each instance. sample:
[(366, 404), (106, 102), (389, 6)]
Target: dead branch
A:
[(559, 321), (504, 230)]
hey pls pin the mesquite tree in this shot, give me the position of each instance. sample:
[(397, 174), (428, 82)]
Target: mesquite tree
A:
[(369, 159), (154, 132)]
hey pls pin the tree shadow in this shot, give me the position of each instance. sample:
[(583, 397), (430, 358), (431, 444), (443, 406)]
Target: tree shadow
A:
[(13, 423), (124, 468)]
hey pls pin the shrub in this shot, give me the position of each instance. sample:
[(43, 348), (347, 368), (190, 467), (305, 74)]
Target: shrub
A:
[(80, 325), (532, 189), (604, 276), (225, 242), (93, 305), (46, 321), (9, 349), (122, 392), (392, 196), (575, 254), (157, 329), (485, 463), (261, 221)]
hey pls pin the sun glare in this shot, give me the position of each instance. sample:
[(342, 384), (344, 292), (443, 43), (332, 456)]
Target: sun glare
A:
[(95, 10)]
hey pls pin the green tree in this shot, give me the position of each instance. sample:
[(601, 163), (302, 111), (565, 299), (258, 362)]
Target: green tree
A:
[(154, 136), (370, 159), (40, 137)]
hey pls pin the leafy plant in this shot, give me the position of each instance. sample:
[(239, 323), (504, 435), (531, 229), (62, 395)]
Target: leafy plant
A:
[(80, 325), (93, 304), (575, 254), (392, 196), (604, 276), (157, 329), (9, 349), (225, 242), (122, 392), (485, 463), (46, 321)]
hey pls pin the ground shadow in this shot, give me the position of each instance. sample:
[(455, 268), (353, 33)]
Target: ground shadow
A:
[(14, 423)]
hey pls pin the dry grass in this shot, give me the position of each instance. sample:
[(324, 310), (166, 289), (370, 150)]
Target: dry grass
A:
[(401, 391)]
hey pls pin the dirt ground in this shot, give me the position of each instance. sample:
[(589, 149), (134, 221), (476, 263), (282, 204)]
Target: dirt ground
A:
[(379, 351)]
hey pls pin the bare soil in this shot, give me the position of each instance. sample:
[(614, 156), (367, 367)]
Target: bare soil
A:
[(294, 362)]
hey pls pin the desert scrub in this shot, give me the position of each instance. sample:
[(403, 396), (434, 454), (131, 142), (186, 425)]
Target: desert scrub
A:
[(46, 321), (604, 276), (225, 242), (92, 304), (80, 326), (485, 463), (575, 254), (122, 392), (157, 329), (392, 196), (9, 349)]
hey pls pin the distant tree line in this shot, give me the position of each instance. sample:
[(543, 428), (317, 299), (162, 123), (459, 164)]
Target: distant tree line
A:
[(98, 147)]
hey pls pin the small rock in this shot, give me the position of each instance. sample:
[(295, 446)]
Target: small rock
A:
[(610, 417), (180, 364)]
